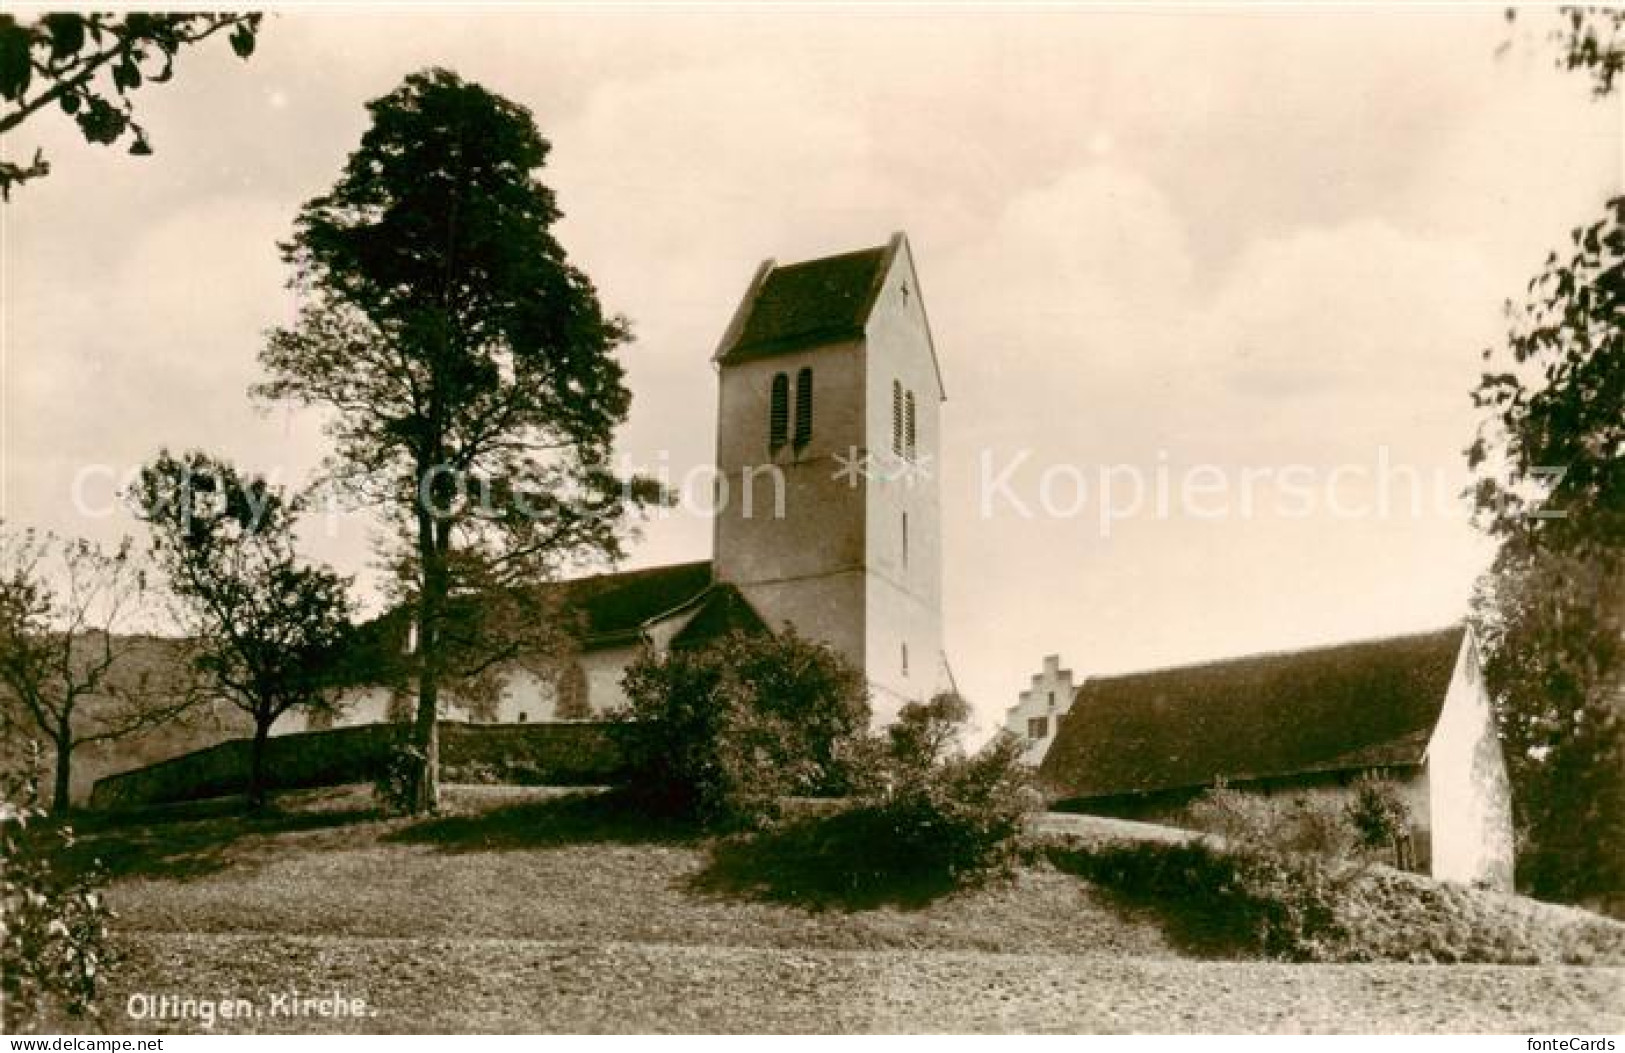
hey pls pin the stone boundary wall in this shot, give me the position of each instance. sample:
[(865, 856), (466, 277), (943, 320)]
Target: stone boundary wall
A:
[(563, 754)]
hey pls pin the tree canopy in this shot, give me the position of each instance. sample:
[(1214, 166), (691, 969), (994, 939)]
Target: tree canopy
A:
[(1550, 464), (269, 632)]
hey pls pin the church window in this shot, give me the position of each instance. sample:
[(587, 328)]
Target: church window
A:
[(1037, 727), (778, 414), (897, 417), (804, 405), (905, 659), (523, 716), (905, 540), (908, 424)]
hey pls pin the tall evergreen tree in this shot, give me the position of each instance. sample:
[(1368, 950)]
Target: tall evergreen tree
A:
[(469, 367)]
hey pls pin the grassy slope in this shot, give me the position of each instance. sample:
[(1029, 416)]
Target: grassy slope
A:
[(537, 917)]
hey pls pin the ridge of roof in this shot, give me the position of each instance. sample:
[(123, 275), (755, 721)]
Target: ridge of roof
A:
[(1260, 656)]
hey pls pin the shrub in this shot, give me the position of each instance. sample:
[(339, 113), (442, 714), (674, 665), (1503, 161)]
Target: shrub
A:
[(1271, 903), (395, 788), (1381, 819), (958, 817), (53, 923), (923, 831), (1301, 824), (1305, 908), (925, 732), (721, 733)]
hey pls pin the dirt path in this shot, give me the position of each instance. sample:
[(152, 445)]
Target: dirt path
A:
[(549, 986)]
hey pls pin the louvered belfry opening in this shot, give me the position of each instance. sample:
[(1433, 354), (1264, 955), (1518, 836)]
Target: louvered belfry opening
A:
[(908, 424), (778, 414), (804, 406), (897, 417)]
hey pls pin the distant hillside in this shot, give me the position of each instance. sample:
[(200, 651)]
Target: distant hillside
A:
[(206, 726), (152, 662)]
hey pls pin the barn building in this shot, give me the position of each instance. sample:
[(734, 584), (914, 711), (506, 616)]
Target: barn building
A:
[(1412, 710)]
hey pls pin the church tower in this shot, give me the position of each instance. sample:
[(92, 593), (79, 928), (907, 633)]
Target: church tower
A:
[(828, 512)]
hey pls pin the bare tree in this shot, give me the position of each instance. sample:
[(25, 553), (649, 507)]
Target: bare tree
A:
[(69, 671)]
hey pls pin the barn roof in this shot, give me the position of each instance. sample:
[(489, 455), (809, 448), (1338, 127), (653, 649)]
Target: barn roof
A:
[(806, 304), (1352, 706)]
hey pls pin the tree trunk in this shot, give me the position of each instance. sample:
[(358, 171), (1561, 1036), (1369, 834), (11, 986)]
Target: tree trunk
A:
[(256, 763), (431, 602), (61, 795)]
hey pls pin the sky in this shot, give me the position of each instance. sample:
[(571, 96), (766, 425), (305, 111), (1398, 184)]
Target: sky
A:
[(1209, 287)]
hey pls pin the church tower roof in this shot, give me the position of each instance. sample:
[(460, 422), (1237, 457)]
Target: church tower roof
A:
[(806, 304), (795, 306)]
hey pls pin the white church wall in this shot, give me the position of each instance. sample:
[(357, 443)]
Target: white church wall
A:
[(528, 698), (604, 668), (525, 697)]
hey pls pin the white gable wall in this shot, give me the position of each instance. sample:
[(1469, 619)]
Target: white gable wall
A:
[(1469, 799), (1047, 699)]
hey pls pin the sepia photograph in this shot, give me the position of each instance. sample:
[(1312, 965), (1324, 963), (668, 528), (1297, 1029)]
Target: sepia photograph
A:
[(812, 519)]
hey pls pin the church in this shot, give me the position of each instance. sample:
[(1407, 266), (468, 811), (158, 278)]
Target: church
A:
[(827, 514)]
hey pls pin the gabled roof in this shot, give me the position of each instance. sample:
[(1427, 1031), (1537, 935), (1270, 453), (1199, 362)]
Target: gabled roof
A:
[(615, 607), (604, 610), (817, 302), (807, 304), (1348, 707), (723, 610)]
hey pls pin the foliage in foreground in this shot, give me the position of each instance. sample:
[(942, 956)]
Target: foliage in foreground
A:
[(89, 64), (1550, 488), (1375, 823), (720, 734), (951, 823), (1278, 905), (924, 820), (1246, 902), (53, 923)]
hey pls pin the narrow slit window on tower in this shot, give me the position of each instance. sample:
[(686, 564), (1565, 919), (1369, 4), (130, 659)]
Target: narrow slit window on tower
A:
[(905, 540), (905, 659), (804, 405), (897, 417), (908, 424), (778, 414)]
